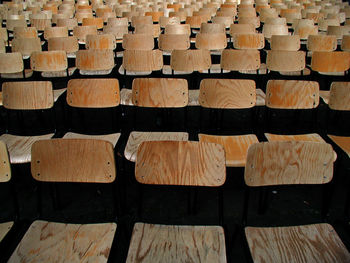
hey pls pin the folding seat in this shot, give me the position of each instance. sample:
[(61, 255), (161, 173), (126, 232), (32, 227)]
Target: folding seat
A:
[(105, 41), (11, 66), (26, 46), (68, 44), (95, 61)]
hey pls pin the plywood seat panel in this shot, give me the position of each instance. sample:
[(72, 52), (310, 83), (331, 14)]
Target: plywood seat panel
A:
[(330, 62), (342, 141), (4, 229), (112, 138)]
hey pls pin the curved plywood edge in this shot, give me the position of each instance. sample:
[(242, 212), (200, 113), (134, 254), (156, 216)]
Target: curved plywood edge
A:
[(26, 46), (242, 29), (136, 138), (236, 147), (311, 137), (105, 41), (68, 44), (292, 94), (187, 243), (342, 141), (190, 60), (180, 163), (143, 60), (95, 59), (49, 61), (57, 31), (112, 138), (345, 43), (211, 41), (138, 42), (287, 43), (240, 60), (5, 168), (27, 95), (178, 29), (321, 43), (248, 41), (336, 61), (278, 60), (169, 42), (73, 160), (292, 162), (11, 62), (227, 93), (93, 93), (309, 243), (65, 242), (5, 228), (160, 92), (339, 98)]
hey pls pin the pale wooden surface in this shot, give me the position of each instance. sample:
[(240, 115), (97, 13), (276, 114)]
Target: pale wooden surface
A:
[(93, 60), (292, 162), (236, 147), (169, 42), (321, 43), (224, 20), (153, 30), (242, 29), (345, 43), (93, 93), (227, 93), (212, 28), (117, 31), (336, 61), (292, 94), (27, 95), (68, 44), (93, 21), (269, 30), (73, 160), (112, 138), (171, 243), (82, 31), (143, 60), (4, 229), (339, 96), (260, 97), (342, 141), (5, 168), (136, 138), (237, 60), (57, 31), (311, 137), (19, 147), (190, 60), (163, 21), (40, 24), (68, 22), (11, 62), (49, 61), (248, 41), (213, 41), (305, 31), (325, 94), (180, 163), (278, 60), (135, 20), (105, 41), (307, 243), (25, 32), (255, 21), (57, 242), (138, 42), (287, 43), (26, 46), (160, 92)]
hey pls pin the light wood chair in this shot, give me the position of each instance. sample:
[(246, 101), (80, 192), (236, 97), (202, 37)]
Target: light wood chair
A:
[(241, 61), (138, 42), (170, 42), (95, 61), (148, 29), (11, 66), (345, 43), (70, 23), (321, 43), (248, 41), (50, 32), (117, 31), (69, 161), (242, 29), (40, 23), (287, 62), (164, 21), (93, 21), (141, 62), (178, 29), (82, 31), (12, 23), (224, 20), (100, 42), (68, 44), (25, 32), (270, 29), (135, 20), (26, 46), (330, 63), (285, 43), (211, 41)]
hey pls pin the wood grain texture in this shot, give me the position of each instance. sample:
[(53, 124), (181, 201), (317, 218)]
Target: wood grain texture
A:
[(56, 31), (27, 95), (40, 23), (292, 162), (227, 93), (336, 61), (117, 31), (169, 42), (311, 137), (212, 28), (82, 31), (25, 32), (160, 92), (292, 94), (94, 59), (163, 21), (12, 23), (5, 228), (236, 60), (68, 44), (305, 31), (287, 43), (5, 168), (112, 138), (345, 43), (57, 242), (138, 42), (270, 30), (278, 60), (236, 147), (137, 20), (224, 20), (242, 29), (213, 41), (68, 22), (93, 93), (195, 21), (342, 141), (11, 62), (93, 21), (321, 43), (340, 96), (255, 21), (171, 243), (248, 41), (49, 61), (180, 14), (307, 243), (178, 29), (155, 15), (180, 163), (147, 29), (26, 46), (143, 60), (73, 160), (100, 42), (136, 138), (190, 60)]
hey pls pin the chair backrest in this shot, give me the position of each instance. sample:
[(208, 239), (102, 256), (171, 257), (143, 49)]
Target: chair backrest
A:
[(236, 60), (195, 21), (3, 34), (138, 42), (94, 59), (57, 31), (93, 21), (26, 46), (242, 29), (160, 92), (25, 32), (117, 21), (285, 163), (155, 15), (345, 43), (70, 23), (12, 23), (190, 60), (5, 168), (27, 95), (148, 29), (49, 61), (198, 164), (321, 43), (117, 31), (286, 43), (170, 42), (67, 44), (248, 41), (105, 41), (211, 41), (338, 31), (82, 31), (11, 62), (40, 24), (93, 93), (227, 93), (305, 31), (142, 60), (336, 61), (278, 60), (339, 96), (164, 21), (275, 21), (212, 28), (292, 94), (224, 20), (270, 30), (73, 160), (178, 29)]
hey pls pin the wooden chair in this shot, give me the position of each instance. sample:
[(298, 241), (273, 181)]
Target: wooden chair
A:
[(248, 41), (12, 23), (69, 161), (56, 31), (141, 20), (211, 41), (321, 43), (224, 20), (40, 23), (285, 43), (138, 42), (345, 43), (265, 168), (70, 23), (11, 66), (338, 31), (93, 21), (178, 29), (242, 29), (164, 21), (95, 62), (170, 42), (68, 44), (242, 61), (305, 30), (100, 42), (117, 31), (269, 30), (330, 63), (286, 62), (82, 31), (26, 46), (25, 32), (255, 21)]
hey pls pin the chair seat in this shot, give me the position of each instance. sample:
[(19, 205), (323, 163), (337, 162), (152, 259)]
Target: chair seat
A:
[(57, 93), (308, 243), (136, 138), (57, 242), (260, 97), (126, 97), (342, 141), (236, 147), (18, 75), (325, 94), (133, 73), (58, 74), (112, 138), (170, 243), (4, 229), (19, 147)]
